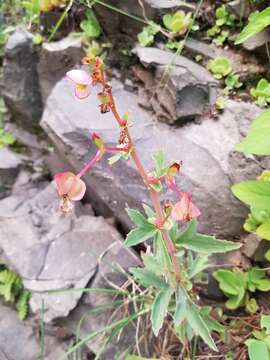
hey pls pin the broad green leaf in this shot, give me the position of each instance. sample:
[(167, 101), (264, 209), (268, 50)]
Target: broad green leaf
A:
[(167, 21), (254, 193), (199, 327), (265, 323), (230, 281), (257, 141), (139, 235), (256, 24), (148, 278), (192, 240), (137, 218), (159, 309), (91, 25), (263, 285), (257, 350), (264, 230)]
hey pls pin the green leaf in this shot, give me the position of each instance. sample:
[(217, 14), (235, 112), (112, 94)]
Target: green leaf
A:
[(167, 21), (254, 193), (137, 218), (146, 37), (256, 24), (149, 211), (257, 349), (229, 281), (148, 278), (265, 323), (199, 264), (264, 230), (151, 263), (159, 309), (212, 324), (199, 327), (159, 160), (251, 306), (263, 285), (257, 140), (141, 234), (192, 240), (220, 67), (91, 25), (181, 303)]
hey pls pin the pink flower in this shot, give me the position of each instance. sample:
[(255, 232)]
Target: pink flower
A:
[(70, 188), (185, 210), (82, 81)]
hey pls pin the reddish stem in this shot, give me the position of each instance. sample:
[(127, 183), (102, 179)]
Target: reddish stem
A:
[(91, 163), (116, 149), (154, 195)]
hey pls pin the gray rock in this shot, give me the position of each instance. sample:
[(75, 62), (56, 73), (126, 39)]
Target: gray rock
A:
[(9, 169), (241, 8), (112, 266), (19, 339), (56, 58), (53, 251), (183, 90), (171, 4), (205, 149), (257, 41), (254, 247), (146, 9), (21, 92)]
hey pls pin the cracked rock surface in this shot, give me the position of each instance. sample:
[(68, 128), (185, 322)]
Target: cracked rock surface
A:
[(210, 166), (51, 250)]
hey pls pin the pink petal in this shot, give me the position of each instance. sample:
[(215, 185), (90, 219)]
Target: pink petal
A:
[(194, 212), (82, 93), (185, 210), (65, 181), (78, 190), (79, 77)]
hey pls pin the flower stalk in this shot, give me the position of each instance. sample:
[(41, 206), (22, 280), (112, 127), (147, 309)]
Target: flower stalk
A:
[(171, 248)]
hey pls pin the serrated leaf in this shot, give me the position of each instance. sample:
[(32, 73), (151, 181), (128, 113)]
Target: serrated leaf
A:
[(199, 264), (257, 140), (199, 327), (254, 193), (181, 303), (159, 309), (139, 235), (151, 263), (148, 278), (137, 218), (192, 240)]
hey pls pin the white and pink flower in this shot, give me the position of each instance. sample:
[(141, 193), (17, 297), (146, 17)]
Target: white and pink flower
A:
[(82, 81)]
